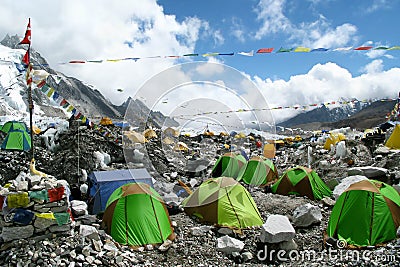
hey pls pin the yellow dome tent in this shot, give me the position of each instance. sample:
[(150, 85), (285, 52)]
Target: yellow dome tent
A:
[(180, 146), (149, 133), (135, 137), (106, 121), (168, 140), (171, 132), (394, 139), (333, 139)]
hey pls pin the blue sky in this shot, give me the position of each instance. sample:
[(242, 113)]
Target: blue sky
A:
[(100, 29), (373, 24)]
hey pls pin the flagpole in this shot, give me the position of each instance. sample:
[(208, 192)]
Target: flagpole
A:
[(27, 40), (30, 102)]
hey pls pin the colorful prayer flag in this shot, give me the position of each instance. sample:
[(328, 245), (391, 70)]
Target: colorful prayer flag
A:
[(27, 37), (302, 49), (265, 50), (248, 54), (363, 48)]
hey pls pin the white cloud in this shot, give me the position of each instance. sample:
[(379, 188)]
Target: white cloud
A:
[(328, 82), (270, 13), (90, 30), (376, 5), (237, 30), (314, 34), (375, 66)]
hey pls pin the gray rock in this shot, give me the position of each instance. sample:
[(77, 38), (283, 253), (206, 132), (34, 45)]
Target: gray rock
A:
[(368, 171), (288, 245), (276, 229), (60, 228), (79, 208), (14, 233), (89, 231), (225, 231), (306, 215), (398, 232), (228, 245), (200, 231)]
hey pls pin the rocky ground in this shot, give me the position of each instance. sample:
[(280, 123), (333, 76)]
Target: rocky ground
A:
[(195, 244)]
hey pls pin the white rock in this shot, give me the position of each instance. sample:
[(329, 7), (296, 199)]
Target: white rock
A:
[(276, 229), (327, 201), (341, 149), (306, 215), (165, 246), (228, 245), (79, 207), (247, 256)]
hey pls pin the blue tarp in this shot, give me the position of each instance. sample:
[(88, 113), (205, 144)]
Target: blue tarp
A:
[(103, 184), (122, 124)]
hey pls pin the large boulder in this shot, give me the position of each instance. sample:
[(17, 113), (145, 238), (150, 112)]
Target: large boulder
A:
[(276, 229), (13, 233)]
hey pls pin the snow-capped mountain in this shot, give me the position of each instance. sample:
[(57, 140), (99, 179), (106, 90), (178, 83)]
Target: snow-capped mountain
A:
[(85, 98)]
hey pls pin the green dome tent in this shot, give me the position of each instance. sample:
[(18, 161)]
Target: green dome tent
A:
[(14, 125), (135, 215), (259, 172), (365, 214), (17, 140), (228, 165), (301, 181), (224, 202)]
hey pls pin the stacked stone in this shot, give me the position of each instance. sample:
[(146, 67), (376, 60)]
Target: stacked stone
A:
[(33, 205)]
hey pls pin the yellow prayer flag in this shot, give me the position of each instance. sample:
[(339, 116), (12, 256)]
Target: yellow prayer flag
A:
[(49, 215), (302, 49)]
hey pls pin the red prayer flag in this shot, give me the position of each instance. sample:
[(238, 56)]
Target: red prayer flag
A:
[(56, 194), (265, 50), (363, 48), (41, 83), (63, 102), (25, 59), (27, 38)]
